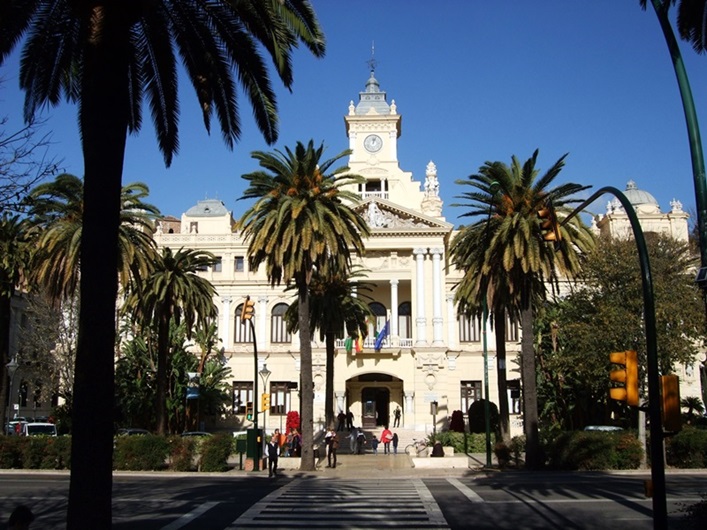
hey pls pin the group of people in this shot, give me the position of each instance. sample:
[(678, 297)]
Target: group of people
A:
[(281, 445)]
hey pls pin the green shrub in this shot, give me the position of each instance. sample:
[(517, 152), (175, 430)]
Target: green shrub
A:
[(10, 452), (477, 417), (687, 449), (475, 443), (215, 451), (140, 453), (181, 453), (582, 450)]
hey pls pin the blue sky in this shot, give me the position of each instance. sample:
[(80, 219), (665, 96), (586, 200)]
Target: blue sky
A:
[(474, 81)]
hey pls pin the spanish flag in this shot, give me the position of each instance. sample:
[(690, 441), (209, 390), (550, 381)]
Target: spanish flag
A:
[(359, 344)]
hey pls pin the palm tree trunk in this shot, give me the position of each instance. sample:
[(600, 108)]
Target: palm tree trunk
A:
[(503, 411), (162, 354), (5, 305), (307, 390), (330, 339), (103, 120), (530, 392)]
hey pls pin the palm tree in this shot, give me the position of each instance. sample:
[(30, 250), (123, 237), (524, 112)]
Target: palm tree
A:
[(692, 404), (108, 57), (302, 222), (506, 261), (14, 261), (172, 291), (334, 309), (56, 210)]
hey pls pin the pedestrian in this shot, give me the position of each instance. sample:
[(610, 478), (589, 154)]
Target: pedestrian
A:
[(327, 441), (20, 518), (296, 443), (386, 438), (374, 445), (360, 442), (353, 436), (349, 420), (396, 414), (341, 418), (273, 454), (395, 443), (333, 446)]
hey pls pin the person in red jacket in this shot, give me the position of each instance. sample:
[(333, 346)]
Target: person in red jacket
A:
[(386, 438)]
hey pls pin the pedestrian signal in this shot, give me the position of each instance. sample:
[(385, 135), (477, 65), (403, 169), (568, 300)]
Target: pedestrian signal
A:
[(625, 378), (672, 420), (249, 411)]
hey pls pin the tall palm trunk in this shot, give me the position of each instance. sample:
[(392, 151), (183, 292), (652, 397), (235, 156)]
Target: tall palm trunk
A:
[(501, 374), (5, 305), (330, 339), (307, 390), (530, 392), (103, 121), (162, 354)]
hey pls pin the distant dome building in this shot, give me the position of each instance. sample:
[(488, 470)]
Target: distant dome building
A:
[(615, 223)]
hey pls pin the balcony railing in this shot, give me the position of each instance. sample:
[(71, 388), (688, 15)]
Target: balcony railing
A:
[(374, 194), (369, 343)]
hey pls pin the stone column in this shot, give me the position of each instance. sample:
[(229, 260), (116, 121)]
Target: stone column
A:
[(451, 322), (261, 320), (409, 412), (225, 330), (421, 318), (394, 332), (340, 402), (437, 320)]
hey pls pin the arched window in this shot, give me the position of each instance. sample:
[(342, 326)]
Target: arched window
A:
[(278, 327), (241, 330), (405, 320), (378, 309)]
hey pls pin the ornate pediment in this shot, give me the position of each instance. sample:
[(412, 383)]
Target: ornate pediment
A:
[(383, 215)]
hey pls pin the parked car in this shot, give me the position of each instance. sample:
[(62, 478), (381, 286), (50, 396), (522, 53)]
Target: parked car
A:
[(186, 434), (14, 426), (38, 429), (131, 431), (603, 428)]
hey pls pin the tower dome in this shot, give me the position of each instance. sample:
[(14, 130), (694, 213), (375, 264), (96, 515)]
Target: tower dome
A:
[(640, 199)]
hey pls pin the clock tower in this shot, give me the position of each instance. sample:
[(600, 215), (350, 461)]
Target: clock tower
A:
[(373, 127)]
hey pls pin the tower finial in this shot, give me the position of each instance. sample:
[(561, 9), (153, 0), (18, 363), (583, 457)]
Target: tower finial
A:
[(372, 63)]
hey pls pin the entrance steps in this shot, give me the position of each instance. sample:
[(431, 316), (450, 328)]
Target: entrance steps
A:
[(405, 438)]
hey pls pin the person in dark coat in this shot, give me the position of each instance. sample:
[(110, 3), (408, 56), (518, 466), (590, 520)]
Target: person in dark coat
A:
[(341, 418), (273, 454)]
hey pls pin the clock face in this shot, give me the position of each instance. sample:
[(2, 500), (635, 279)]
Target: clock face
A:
[(373, 143)]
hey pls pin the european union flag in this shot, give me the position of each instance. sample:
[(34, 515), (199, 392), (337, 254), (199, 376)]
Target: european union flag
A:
[(382, 335)]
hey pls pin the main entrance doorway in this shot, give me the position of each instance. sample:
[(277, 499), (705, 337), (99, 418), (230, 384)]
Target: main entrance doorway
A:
[(376, 407)]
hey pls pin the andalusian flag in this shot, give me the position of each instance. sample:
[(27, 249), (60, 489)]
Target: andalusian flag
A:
[(348, 344)]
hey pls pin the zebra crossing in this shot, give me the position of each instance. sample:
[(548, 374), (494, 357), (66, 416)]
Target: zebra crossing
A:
[(340, 503)]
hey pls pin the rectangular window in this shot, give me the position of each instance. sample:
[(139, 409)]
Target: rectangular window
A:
[(280, 403), (217, 265), (469, 329), (242, 395), (238, 264), (470, 392)]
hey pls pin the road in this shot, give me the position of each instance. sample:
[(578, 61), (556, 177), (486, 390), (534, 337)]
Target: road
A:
[(458, 500)]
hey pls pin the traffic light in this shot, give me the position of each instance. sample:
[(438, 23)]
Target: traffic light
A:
[(248, 309), (627, 376), (548, 223), (249, 411), (672, 420), (265, 401)]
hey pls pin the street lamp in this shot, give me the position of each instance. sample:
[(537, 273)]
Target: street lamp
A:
[(11, 369), (264, 375)]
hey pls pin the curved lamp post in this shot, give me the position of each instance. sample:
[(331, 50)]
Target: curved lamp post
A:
[(660, 511)]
